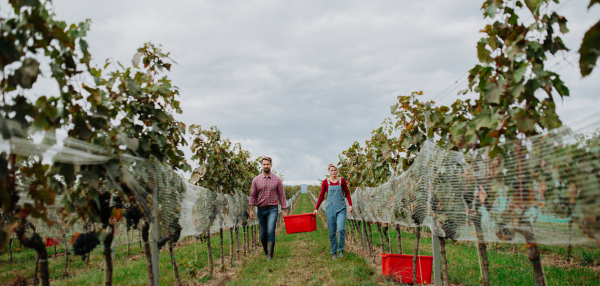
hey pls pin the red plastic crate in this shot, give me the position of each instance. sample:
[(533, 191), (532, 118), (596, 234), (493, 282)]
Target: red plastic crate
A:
[(400, 267), (300, 223)]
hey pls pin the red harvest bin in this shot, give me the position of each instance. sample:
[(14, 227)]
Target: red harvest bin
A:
[(400, 267), (300, 223)]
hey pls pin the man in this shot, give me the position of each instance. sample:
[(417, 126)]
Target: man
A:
[(266, 194)]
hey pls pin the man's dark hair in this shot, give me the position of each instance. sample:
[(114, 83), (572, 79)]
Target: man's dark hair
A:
[(266, 159)]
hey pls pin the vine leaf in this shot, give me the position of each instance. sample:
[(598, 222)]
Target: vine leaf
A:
[(27, 74), (136, 59), (589, 50), (534, 7)]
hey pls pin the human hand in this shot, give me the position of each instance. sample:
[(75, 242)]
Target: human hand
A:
[(251, 214), (350, 209), (284, 212), (315, 212)]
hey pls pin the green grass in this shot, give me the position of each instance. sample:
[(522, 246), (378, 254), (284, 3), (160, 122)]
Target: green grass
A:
[(305, 259), (131, 271), (505, 268)]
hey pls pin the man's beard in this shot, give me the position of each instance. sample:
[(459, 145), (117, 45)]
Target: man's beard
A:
[(267, 170)]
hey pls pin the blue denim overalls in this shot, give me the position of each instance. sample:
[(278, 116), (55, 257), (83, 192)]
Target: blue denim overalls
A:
[(336, 216)]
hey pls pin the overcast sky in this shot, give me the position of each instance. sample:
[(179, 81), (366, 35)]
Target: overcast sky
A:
[(300, 81)]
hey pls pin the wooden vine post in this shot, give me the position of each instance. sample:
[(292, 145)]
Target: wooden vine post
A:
[(387, 237), (436, 243), (364, 235), (173, 262), (416, 252), (10, 242), (209, 250), (444, 261), (127, 241), (569, 246), (65, 274), (399, 237), (370, 239), (36, 280), (380, 237), (155, 231), (221, 248), (108, 255), (145, 233), (245, 229), (237, 241), (231, 250)]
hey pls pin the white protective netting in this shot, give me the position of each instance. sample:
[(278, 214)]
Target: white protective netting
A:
[(183, 209), (536, 187)]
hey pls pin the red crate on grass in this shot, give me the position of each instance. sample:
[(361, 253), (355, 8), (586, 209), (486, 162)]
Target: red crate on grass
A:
[(400, 267), (300, 223)]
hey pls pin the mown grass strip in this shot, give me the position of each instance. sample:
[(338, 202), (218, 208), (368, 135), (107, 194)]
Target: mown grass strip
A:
[(505, 268), (305, 259), (126, 271)]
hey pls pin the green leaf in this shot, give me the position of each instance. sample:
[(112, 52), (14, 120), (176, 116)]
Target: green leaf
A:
[(21, 3), (134, 87), (162, 116), (517, 91), (27, 74), (562, 24), (492, 92), (483, 122), (136, 59), (559, 85), (483, 54), (8, 51), (589, 50), (519, 4), (520, 72), (490, 10), (524, 122), (534, 7)]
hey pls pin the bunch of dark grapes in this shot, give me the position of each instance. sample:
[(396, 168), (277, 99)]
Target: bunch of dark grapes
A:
[(162, 241), (132, 217), (85, 243), (419, 215), (118, 202)]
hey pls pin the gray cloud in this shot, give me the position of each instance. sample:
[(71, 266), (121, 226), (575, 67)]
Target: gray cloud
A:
[(301, 80)]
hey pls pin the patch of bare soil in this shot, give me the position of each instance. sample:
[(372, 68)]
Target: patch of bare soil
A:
[(558, 261), (17, 281)]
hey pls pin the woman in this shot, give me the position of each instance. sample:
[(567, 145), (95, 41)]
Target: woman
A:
[(336, 209)]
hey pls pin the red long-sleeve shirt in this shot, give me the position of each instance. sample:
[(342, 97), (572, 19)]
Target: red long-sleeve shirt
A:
[(324, 188)]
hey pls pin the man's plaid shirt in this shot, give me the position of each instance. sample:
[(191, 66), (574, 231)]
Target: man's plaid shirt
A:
[(267, 191)]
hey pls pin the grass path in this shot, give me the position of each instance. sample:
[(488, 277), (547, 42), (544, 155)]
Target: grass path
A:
[(304, 259), (126, 271)]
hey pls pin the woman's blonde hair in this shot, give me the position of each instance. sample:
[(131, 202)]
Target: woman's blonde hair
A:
[(331, 165)]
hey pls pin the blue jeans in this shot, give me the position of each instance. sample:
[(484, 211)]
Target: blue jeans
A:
[(336, 220), (267, 220)]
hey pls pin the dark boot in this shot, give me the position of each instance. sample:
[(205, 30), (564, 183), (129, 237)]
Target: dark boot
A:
[(264, 245), (271, 247)]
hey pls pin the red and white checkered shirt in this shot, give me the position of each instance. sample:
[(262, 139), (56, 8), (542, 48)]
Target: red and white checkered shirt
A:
[(267, 191)]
